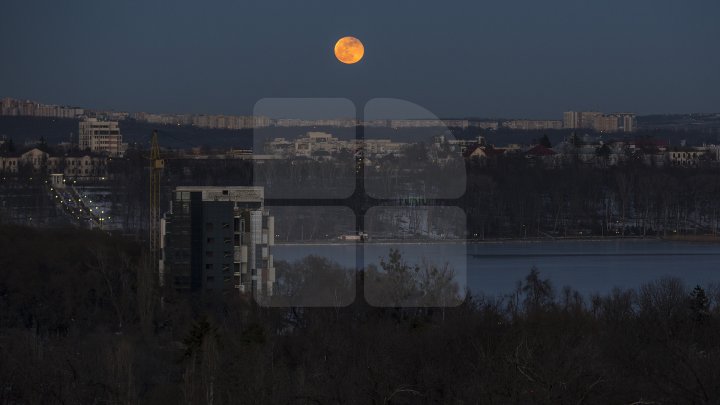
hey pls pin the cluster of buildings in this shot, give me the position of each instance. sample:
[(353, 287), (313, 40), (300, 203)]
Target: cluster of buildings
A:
[(600, 122), (532, 125), (596, 152), (249, 122), (203, 121), (322, 145), (12, 107), (617, 122), (593, 120), (218, 239), (590, 120), (97, 142), (72, 164)]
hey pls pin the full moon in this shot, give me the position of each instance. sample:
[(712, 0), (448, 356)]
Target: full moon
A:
[(349, 50)]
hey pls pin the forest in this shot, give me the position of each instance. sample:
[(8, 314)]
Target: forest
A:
[(83, 321), (504, 197), (518, 200), (507, 197)]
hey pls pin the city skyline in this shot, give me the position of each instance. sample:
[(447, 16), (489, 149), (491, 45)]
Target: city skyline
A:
[(64, 110), (280, 111), (76, 110), (525, 59)]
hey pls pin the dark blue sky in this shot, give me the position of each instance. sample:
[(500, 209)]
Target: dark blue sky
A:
[(508, 58)]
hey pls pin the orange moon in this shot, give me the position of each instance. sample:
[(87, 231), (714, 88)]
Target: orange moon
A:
[(349, 50)]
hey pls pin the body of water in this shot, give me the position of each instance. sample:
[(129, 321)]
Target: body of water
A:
[(494, 268)]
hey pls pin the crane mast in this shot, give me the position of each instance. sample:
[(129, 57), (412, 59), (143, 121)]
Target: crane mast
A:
[(156, 166)]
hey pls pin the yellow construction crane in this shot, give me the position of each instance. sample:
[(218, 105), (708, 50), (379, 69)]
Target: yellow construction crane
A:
[(156, 166)]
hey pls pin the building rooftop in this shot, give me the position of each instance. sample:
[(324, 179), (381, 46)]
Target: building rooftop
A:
[(540, 150), (227, 193)]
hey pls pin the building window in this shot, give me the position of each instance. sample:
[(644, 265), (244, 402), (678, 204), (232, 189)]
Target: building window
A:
[(208, 226), (208, 266), (210, 240), (209, 253)]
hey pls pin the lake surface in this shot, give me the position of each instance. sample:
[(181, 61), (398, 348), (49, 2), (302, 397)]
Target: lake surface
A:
[(494, 268)]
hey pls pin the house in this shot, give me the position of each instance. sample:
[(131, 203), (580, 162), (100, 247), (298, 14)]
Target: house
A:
[(72, 165), (686, 157), (543, 154), (482, 153)]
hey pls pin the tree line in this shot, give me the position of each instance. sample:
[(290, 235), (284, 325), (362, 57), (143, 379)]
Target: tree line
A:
[(83, 320), (503, 196), (516, 199)]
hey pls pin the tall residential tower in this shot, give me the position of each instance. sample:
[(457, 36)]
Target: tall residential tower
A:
[(218, 239)]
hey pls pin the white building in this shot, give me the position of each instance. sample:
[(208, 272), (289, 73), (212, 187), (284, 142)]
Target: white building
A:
[(571, 119), (101, 137), (381, 147), (77, 165), (317, 142), (314, 144), (533, 125)]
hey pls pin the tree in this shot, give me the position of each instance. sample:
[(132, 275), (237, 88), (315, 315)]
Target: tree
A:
[(538, 292), (398, 280), (699, 305), (545, 141), (8, 146), (201, 370), (313, 282), (401, 284), (603, 151), (575, 140)]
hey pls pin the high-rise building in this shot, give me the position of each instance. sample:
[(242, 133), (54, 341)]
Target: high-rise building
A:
[(218, 239), (627, 121), (571, 119), (533, 125), (101, 137), (606, 123), (587, 119), (599, 121)]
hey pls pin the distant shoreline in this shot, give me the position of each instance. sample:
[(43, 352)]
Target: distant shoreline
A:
[(677, 238)]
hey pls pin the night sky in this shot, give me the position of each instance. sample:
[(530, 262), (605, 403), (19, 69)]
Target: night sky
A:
[(503, 58)]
